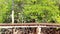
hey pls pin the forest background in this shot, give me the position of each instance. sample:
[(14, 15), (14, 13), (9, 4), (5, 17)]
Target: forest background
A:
[(27, 11)]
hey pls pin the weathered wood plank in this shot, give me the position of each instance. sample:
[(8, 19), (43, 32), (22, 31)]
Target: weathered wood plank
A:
[(29, 24)]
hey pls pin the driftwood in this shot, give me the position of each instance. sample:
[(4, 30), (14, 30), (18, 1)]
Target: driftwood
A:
[(19, 31), (50, 31)]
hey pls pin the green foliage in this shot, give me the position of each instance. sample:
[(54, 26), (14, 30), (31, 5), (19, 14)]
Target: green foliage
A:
[(40, 10), (43, 10), (5, 7)]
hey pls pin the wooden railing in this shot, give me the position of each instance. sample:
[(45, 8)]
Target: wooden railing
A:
[(37, 27)]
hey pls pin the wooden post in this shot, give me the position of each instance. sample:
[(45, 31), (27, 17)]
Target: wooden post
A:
[(14, 32), (39, 30)]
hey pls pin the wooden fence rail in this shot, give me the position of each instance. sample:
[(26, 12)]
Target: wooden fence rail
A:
[(36, 27)]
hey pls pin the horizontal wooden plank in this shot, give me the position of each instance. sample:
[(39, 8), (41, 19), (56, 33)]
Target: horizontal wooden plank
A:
[(29, 24)]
